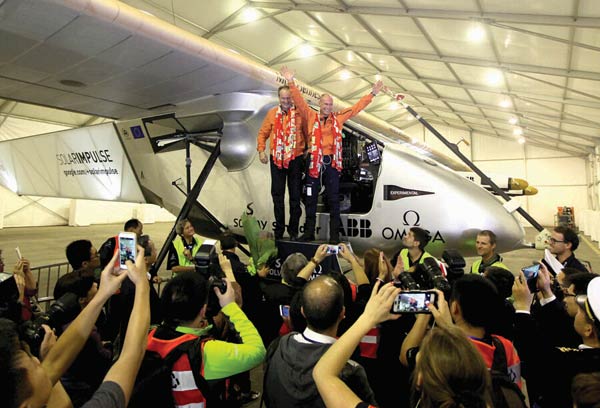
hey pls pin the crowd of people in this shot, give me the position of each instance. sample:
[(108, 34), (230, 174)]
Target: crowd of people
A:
[(340, 344), (492, 337)]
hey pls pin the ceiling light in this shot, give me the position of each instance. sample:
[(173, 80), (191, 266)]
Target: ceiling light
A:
[(513, 121), (505, 103), (378, 77), (521, 140), (345, 74), (250, 14), (306, 50), (350, 57), (476, 33), (312, 32), (517, 131), (507, 41), (394, 106), (493, 77)]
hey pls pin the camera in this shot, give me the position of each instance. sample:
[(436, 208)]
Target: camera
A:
[(407, 282), (430, 276), (62, 311), (205, 256)]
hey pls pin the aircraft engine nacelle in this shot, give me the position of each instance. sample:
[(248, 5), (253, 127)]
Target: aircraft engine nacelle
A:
[(242, 114)]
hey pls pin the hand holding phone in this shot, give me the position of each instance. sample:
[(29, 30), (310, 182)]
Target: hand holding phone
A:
[(333, 249), (414, 301), (284, 311), (531, 273), (127, 248)]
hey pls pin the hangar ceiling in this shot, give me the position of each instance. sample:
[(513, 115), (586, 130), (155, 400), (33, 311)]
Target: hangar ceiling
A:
[(516, 70)]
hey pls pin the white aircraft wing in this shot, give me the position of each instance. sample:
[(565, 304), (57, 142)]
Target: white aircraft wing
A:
[(106, 58)]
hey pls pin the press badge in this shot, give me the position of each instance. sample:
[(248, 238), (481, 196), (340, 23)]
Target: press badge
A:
[(309, 191)]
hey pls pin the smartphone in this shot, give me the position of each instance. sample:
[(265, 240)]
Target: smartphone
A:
[(18, 251), (333, 249), (284, 310), (127, 248), (531, 271), (414, 301)]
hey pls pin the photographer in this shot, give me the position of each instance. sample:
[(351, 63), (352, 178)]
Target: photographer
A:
[(26, 382), (120, 305), (185, 300), (85, 375), (183, 248)]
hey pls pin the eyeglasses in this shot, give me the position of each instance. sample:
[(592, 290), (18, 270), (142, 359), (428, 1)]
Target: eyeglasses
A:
[(555, 241)]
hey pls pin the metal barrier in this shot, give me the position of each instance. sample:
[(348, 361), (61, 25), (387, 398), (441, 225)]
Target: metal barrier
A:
[(48, 275)]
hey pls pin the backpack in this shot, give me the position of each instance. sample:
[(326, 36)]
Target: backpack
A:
[(505, 393), (154, 382)]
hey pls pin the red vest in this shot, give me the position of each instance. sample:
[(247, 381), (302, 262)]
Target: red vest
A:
[(185, 391), (513, 361), (369, 343)]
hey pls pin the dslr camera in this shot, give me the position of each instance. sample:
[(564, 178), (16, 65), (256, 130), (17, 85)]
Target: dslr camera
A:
[(62, 311)]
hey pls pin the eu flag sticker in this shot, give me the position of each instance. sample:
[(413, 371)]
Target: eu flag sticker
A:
[(137, 132)]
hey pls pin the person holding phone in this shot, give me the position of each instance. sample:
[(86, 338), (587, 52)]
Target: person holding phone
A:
[(288, 380), (449, 372)]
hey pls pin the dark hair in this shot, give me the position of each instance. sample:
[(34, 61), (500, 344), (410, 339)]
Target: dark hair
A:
[(14, 384), (503, 280), (580, 280), (73, 282), (79, 252), (282, 88), (228, 241), (568, 236), (132, 224), (585, 390), (489, 234), (183, 297), (478, 299), (422, 236), (322, 302)]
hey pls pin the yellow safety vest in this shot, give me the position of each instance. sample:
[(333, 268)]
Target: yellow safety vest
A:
[(477, 263), (406, 261), (180, 247)]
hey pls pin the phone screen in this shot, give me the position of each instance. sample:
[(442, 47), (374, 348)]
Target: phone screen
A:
[(373, 152), (413, 302), (284, 310), (333, 249), (531, 272), (126, 249)]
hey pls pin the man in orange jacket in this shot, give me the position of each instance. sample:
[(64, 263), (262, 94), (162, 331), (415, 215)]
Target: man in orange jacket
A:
[(284, 125), (325, 146)]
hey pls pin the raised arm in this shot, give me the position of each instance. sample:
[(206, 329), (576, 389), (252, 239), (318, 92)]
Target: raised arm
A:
[(333, 390), (355, 109), (320, 254), (359, 272), (73, 339), (124, 371), (299, 101)]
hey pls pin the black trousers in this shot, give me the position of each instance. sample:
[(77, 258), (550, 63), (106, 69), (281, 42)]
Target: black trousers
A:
[(331, 180), (293, 176)]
